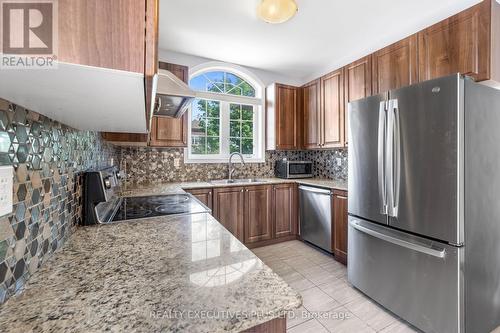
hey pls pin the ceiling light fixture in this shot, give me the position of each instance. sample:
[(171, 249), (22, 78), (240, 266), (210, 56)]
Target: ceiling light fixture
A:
[(276, 11)]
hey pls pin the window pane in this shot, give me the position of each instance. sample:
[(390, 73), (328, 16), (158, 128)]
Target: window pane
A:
[(247, 129), (216, 76), (247, 112), (234, 129), (233, 90), (235, 111), (233, 79), (213, 127), (198, 109), (247, 146), (205, 122), (198, 144), (222, 82), (247, 90), (213, 109), (213, 146), (199, 83), (234, 145), (198, 127), (198, 114)]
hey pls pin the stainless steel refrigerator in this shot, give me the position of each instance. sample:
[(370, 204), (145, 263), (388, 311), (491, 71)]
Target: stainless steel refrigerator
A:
[(424, 203)]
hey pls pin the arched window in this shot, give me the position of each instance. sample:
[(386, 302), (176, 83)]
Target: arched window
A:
[(227, 115)]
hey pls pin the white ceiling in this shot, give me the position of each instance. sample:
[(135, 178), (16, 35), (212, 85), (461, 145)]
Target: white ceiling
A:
[(324, 35)]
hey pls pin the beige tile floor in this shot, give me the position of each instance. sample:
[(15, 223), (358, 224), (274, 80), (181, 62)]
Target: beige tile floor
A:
[(330, 303)]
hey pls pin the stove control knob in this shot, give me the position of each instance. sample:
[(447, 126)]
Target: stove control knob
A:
[(107, 183)]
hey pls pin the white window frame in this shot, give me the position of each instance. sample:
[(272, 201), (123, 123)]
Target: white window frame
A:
[(259, 117)]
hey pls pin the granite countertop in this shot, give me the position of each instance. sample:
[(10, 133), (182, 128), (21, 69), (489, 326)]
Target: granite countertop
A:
[(170, 274), (179, 187)]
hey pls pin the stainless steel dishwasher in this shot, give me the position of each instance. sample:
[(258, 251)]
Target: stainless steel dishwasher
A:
[(316, 216)]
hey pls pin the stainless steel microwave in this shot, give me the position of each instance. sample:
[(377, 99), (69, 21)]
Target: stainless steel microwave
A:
[(293, 169)]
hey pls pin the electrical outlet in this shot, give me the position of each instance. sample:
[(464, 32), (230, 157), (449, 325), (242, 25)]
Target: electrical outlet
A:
[(177, 162), (6, 189), (339, 161)]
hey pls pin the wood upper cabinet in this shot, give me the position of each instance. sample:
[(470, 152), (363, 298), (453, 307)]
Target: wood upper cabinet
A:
[(332, 113), (358, 84), (116, 34), (258, 220), (340, 225), (282, 117), (285, 210), (171, 132), (358, 79), (466, 43), (204, 195), (228, 209), (395, 66), (311, 102)]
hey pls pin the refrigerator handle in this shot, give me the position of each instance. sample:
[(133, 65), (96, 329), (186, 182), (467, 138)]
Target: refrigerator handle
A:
[(390, 158), (396, 158), (393, 157), (430, 250), (382, 133)]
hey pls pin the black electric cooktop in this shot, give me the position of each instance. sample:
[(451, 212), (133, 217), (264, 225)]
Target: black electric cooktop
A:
[(158, 205)]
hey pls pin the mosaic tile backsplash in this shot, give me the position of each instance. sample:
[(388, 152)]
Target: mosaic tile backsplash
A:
[(144, 165), (48, 159)]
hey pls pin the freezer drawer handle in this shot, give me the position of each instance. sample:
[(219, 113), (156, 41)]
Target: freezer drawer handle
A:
[(436, 252)]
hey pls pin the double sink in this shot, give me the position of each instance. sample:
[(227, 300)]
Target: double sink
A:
[(239, 181)]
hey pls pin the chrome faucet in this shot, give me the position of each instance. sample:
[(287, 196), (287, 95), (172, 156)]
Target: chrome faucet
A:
[(231, 168)]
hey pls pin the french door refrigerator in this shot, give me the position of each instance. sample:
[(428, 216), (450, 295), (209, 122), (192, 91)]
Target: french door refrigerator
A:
[(424, 203)]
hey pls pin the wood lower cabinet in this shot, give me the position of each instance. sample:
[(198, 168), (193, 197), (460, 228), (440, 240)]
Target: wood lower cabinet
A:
[(395, 66), (258, 220), (285, 210), (340, 225), (228, 209), (466, 43), (282, 102), (204, 195), (257, 215)]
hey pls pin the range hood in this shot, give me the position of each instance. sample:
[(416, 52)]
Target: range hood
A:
[(173, 96)]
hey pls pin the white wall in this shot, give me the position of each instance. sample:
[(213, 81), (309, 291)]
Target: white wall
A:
[(266, 77)]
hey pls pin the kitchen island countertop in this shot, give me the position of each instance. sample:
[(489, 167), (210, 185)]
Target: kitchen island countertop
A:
[(169, 274)]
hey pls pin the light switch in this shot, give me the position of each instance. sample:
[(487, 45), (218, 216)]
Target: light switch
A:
[(177, 162), (339, 161), (6, 189)]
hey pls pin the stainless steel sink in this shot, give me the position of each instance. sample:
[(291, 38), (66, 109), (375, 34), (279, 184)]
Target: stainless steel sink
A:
[(239, 181)]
